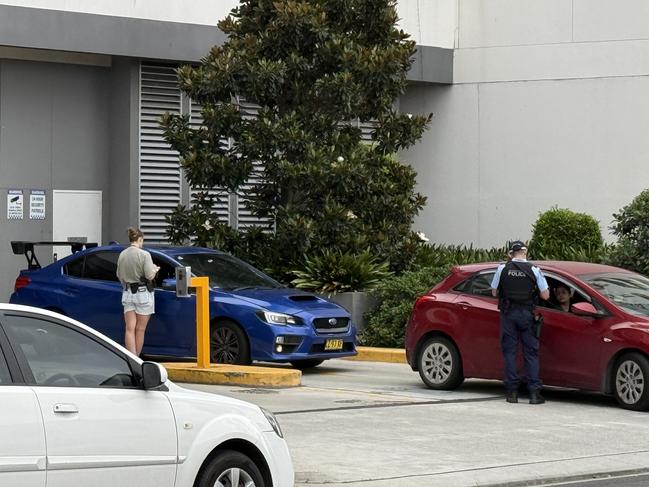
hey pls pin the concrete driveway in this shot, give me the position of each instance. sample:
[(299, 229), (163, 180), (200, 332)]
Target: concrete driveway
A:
[(371, 424)]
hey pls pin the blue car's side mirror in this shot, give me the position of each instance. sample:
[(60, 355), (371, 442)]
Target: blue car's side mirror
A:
[(169, 284)]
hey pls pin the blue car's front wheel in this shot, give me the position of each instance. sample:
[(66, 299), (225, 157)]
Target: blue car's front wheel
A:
[(228, 344)]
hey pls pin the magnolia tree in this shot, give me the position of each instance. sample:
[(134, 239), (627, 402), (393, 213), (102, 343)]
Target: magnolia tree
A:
[(317, 69)]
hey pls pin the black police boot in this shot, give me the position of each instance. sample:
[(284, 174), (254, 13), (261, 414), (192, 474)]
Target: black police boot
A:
[(536, 398), (512, 396)]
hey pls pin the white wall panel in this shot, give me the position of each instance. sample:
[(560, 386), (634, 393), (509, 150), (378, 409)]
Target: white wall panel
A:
[(484, 23), (447, 162), (203, 12), (578, 144), (603, 20), (429, 22), (556, 61)]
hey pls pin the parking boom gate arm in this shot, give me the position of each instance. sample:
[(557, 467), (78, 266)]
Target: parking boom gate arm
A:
[(202, 285)]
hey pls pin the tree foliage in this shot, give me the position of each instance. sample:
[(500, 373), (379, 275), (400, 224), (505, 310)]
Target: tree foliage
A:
[(315, 68), (631, 226)]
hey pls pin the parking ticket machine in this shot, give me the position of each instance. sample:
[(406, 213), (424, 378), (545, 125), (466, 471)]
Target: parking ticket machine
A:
[(183, 276)]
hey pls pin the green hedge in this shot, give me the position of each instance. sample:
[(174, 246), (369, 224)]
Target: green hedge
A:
[(562, 234), (387, 323)]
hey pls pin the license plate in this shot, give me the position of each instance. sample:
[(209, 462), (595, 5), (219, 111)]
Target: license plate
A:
[(334, 344)]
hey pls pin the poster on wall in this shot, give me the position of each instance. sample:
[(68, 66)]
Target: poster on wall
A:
[(37, 204), (15, 204)]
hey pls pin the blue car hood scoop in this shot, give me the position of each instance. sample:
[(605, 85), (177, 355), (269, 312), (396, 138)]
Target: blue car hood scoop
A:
[(301, 298), (288, 300)]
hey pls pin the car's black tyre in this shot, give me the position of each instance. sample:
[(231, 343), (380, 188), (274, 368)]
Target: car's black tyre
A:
[(228, 344), (230, 468), (306, 364), (631, 381), (439, 364)]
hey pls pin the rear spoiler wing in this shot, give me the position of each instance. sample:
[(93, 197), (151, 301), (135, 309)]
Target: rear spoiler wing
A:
[(27, 248)]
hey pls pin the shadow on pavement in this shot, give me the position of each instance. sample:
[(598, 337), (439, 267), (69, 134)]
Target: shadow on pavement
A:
[(554, 394)]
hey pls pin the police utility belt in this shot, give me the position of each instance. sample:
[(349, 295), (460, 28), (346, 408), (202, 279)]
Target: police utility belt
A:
[(134, 287)]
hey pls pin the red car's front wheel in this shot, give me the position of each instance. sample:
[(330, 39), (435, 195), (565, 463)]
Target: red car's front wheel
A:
[(631, 386)]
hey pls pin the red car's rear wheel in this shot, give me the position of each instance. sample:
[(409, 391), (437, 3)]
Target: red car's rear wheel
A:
[(439, 364)]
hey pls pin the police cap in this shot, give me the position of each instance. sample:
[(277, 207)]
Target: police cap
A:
[(517, 245)]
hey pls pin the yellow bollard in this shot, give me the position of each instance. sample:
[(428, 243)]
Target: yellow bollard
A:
[(202, 285)]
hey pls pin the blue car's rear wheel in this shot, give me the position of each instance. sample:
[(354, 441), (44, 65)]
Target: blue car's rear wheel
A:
[(228, 344)]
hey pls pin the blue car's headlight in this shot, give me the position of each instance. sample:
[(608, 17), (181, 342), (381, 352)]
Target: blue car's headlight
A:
[(278, 318)]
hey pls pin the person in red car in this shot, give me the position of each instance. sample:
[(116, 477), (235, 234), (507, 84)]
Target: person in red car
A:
[(518, 285), (563, 296)]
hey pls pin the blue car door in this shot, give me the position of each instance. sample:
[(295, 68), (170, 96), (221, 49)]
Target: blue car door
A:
[(171, 330), (92, 294)]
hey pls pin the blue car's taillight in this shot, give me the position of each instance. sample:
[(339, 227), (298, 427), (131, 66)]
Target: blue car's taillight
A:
[(21, 282)]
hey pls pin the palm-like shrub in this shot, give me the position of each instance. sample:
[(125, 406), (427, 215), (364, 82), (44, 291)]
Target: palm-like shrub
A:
[(434, 255), (334, 272)]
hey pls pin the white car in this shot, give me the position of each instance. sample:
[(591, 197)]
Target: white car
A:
[(77, 409)]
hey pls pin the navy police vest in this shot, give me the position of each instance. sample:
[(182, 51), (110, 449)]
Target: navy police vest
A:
[(517, 285)]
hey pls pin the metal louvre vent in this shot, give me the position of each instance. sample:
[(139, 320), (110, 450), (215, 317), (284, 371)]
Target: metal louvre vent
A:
[(161, 180), (367, 129), (249, 110), (223, 207), (245, 218), (160, 175)]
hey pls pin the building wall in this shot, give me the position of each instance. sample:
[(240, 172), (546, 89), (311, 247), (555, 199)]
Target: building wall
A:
[(430, 22), (54, 128), (548, 107), (123, 167)]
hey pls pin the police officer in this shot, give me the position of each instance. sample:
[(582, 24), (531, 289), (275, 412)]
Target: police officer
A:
[(518, 285)]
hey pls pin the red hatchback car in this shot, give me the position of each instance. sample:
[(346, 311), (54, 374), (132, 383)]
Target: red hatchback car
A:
[(601, 344)]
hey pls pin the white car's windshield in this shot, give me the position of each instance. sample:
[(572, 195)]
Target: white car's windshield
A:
[(227, 272), (629, 291)]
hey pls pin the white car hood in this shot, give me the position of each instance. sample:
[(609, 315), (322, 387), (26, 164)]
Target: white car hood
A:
[(221, 404)]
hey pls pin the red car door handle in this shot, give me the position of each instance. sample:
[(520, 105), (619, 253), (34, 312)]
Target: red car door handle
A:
[(464, 304)]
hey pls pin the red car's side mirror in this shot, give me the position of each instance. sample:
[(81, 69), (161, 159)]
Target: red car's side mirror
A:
[(584, 309)]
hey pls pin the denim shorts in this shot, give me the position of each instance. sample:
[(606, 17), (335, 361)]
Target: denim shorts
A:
[(142, 302)]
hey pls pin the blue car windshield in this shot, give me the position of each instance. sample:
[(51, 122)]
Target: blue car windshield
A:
[(227, 272), (629, 291)]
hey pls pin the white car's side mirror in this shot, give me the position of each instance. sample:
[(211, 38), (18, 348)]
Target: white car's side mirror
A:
[(153, 375)]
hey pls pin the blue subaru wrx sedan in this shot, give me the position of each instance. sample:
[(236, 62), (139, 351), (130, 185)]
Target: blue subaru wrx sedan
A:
[(253, 317)]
